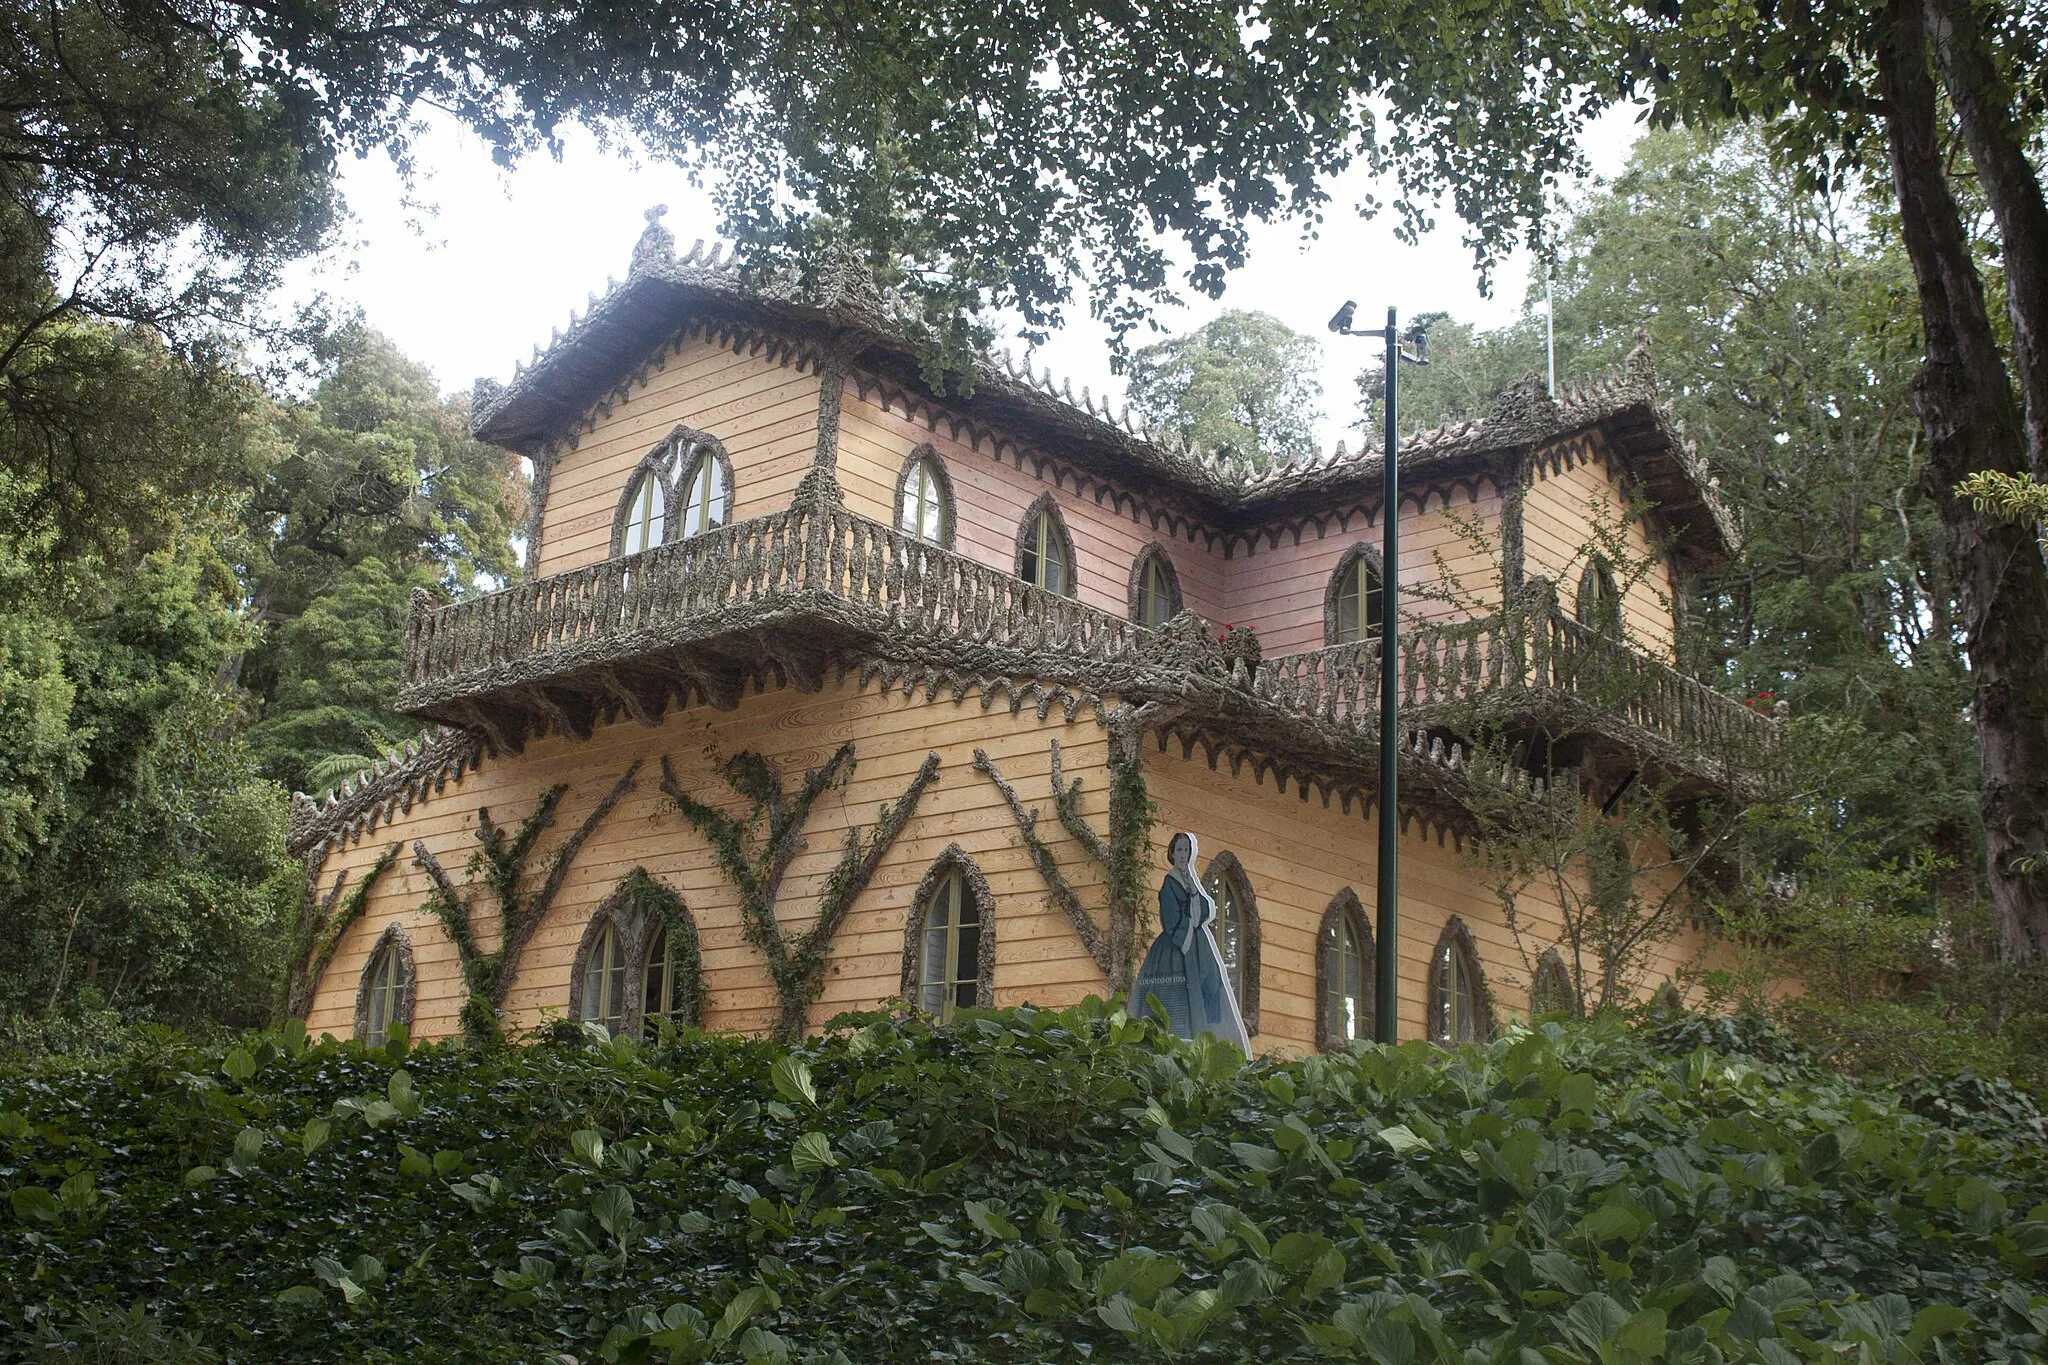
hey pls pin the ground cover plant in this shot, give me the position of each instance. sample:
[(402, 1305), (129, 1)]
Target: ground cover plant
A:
[(1025, 1186)]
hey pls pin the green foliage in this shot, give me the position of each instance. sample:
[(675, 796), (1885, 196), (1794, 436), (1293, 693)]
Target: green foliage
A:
[(1242, 385), (2011, 496), (1028, 1185)]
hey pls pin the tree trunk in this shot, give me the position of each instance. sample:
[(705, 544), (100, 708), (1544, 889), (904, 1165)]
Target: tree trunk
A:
[(1963, 399), (1983, 103)]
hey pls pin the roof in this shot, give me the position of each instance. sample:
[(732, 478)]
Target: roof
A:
[(846, 314)]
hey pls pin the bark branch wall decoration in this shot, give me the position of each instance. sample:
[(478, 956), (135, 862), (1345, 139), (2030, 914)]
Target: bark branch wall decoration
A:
[(501, 866), (322, 929), (1123, 855), (755, 852)]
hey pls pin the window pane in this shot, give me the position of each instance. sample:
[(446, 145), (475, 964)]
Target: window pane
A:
[(923, 511), (950, 970), (643, 516), (1347, 605), (706, 497), (384, 980), (658, 995), (604, 979)]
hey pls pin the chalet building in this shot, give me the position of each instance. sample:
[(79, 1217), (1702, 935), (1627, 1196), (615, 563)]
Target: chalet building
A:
[(826, 690)]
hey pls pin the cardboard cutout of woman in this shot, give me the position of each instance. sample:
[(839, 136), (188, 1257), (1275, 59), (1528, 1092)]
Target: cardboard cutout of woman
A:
[(1183, 969)]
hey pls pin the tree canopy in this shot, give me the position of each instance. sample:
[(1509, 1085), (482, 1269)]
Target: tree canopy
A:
[(1243, 385)]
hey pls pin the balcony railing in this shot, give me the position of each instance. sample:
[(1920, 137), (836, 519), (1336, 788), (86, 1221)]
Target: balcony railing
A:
[(820, 568)]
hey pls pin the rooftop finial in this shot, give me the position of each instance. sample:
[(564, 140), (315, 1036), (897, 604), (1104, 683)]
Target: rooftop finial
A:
[(657, 245)]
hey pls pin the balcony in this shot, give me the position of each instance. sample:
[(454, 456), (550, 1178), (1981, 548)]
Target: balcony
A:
[(817, 587)]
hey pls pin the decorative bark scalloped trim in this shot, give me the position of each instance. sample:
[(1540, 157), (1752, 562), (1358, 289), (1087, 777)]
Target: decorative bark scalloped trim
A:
[(928, 455), (952, 858), (392, 940), (388, 787), (1345, 903), (1456, 938), (1225, 867)]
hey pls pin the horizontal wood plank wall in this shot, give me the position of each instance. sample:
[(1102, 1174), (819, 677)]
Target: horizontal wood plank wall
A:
[(1558, 518), (992, 496), (765, 414), (1281, 589), (1039, 957), (1299, 854)]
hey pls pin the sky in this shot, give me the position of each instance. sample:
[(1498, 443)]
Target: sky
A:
[(471, 267)]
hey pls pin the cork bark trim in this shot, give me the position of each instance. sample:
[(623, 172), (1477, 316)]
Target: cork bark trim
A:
[(952, 859), (1345, 903)]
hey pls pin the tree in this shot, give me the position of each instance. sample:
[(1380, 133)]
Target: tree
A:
[(1242, 385)]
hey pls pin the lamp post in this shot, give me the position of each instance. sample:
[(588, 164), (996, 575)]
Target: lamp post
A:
[(1387, 912)]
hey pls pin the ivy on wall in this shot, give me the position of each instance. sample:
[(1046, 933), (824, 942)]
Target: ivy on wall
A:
[(320, 932), (501, 867), (1124, 854), (755, 852), (654, 900)]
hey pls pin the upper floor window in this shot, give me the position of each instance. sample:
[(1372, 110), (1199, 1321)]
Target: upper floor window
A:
[(1599, 604), (644, 514), (1045, 553), (1155, 588), (706, 494), (1356, 607), (1457, 991), (1344, 968), (924, 498), (682, 487)]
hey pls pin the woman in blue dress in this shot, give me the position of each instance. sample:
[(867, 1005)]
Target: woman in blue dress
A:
[(1183, 969)]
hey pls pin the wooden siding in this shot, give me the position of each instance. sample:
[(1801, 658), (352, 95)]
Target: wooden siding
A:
[(1281, 589), (1558, 519), (992, 496), (763, 412), (1038, 955), (1298, 855)]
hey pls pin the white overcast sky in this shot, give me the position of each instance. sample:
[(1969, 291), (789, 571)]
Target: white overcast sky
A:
[(474, 266)]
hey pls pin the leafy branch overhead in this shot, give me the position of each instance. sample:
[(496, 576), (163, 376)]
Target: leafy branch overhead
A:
[(501, 867), (755, 852)]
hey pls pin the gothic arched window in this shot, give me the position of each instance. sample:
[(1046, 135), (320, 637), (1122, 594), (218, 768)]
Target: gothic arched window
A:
[(682, 486), (1344, 974), (388, 988), (924, 498), (1155, 588), (1551, 992), (1354, 607), (1599, 604), (1458, 1008), (949, 939), (1237, 931), (1045, 552)]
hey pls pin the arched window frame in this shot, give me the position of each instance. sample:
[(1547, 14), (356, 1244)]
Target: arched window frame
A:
[(1225, 867), (1047, 507), (636, 929), (942, 478), (392, 940), (1552, 977), (1155, 553), (1456, 938), (952, 859), (1345, 903), (1333, 593), (1599, 601), (667, 461)]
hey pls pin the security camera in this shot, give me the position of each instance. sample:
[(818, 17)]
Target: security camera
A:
[(1342, 322)]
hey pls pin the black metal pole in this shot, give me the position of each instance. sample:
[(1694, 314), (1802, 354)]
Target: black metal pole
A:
[(1387, 935)]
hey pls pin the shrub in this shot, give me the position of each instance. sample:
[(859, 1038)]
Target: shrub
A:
[(1029, 1185)]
